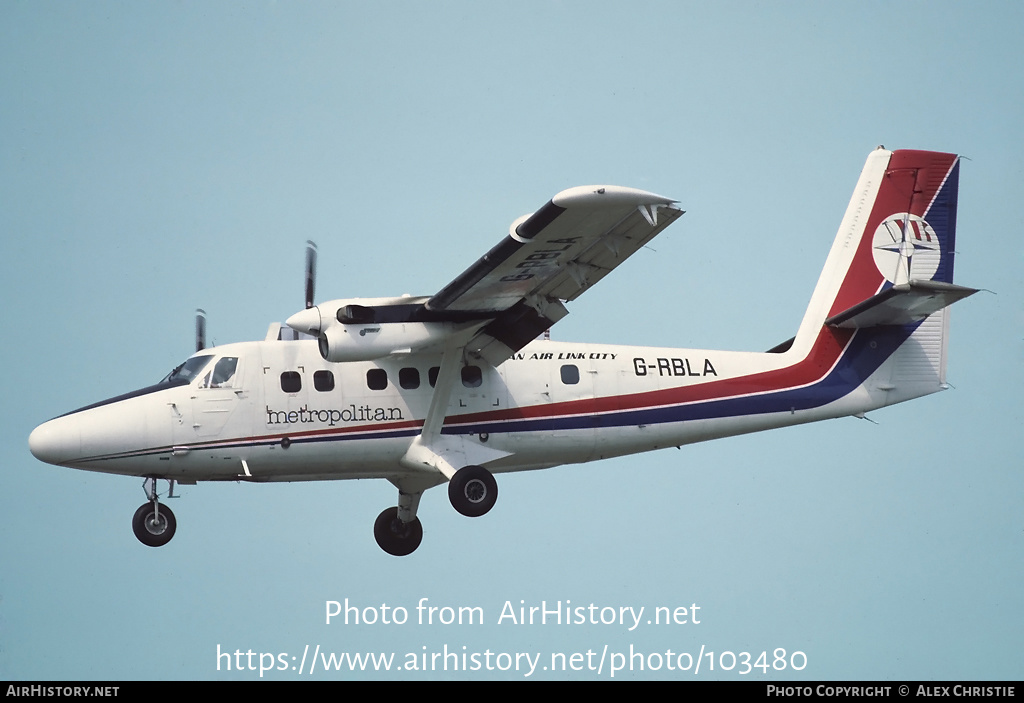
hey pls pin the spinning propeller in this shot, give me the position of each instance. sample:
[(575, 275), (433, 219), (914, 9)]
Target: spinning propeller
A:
[(310, 292), (200, 329), (310, 272)]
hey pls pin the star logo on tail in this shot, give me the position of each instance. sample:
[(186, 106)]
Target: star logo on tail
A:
[(906, 248)]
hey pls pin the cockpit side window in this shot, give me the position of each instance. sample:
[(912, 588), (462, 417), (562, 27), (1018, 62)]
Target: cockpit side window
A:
[(224, 373)]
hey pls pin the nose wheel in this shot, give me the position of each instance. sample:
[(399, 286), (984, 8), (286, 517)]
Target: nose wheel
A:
[(153, 523)]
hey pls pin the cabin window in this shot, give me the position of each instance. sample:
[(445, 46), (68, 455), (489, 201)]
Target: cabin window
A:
[(377, 379), (570, 375), (472, 377), (323, 381), (409, 378), (291, 382), (432, 375)]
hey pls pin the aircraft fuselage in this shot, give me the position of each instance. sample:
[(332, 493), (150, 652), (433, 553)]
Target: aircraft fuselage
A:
[(289, 415)]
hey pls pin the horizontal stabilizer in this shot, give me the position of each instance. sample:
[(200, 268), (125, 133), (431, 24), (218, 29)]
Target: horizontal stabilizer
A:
[(901, 304)]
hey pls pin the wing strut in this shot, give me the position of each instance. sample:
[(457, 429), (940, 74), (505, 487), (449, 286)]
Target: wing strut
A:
[(451, 361), (446, 453)]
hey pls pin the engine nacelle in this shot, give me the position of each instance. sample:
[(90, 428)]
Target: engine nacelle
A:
[(365, 342), (363, 329)]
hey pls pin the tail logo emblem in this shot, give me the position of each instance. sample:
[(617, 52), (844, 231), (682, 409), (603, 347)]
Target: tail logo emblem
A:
[(906, 248)]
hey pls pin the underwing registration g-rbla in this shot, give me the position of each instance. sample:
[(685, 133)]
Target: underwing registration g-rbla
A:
[(459, 386)]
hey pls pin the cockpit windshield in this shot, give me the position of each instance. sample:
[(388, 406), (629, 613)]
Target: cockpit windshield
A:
[(184, 373)]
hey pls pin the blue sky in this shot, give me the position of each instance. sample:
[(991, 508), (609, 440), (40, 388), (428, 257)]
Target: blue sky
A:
[(158, 157)]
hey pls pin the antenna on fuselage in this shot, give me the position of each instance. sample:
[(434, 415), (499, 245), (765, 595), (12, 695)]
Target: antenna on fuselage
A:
[(310, 272)]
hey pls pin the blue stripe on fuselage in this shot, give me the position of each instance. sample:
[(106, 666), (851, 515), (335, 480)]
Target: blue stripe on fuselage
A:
[(859, 360)]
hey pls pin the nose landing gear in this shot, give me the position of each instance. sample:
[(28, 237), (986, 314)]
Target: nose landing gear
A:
[(153, 523)]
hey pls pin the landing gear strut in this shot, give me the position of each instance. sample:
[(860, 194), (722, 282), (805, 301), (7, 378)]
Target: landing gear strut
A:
[(154, 524)]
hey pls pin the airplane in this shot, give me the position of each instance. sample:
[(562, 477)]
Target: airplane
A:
[(462, 385)]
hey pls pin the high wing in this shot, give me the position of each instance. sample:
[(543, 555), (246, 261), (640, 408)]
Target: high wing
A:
[(549, 257), (511, 295), (518, 289)]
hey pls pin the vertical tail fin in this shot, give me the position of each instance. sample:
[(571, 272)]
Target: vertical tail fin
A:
[(890, 271), (900, 226)]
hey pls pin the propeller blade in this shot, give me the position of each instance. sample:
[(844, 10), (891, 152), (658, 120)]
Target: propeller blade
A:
[(310, 272), (200, 329)]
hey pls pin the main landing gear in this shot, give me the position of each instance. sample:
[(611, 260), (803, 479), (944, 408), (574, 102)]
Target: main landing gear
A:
[(153, 523), (396, 537), (472, 491)]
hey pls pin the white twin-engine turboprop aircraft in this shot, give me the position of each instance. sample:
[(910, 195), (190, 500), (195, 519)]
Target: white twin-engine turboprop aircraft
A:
[(457, 387)]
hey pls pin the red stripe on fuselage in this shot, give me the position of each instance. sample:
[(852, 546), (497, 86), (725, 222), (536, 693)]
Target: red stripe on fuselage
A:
[(827, 349)]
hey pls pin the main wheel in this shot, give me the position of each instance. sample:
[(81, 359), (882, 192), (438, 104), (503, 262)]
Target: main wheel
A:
[(154, 529), (472, 491), (396, 537)]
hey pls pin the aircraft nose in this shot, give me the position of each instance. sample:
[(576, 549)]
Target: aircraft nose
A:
[(56, 441)]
